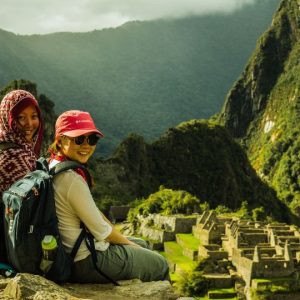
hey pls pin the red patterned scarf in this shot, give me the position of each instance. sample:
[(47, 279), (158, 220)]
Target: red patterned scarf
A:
[(17, 162)]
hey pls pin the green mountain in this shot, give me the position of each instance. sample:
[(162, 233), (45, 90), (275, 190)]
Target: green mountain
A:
[(198, 156), (262, 109), (142, 77)]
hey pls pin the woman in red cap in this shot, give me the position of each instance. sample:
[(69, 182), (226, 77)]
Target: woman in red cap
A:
[(21, 133), (118, 257)]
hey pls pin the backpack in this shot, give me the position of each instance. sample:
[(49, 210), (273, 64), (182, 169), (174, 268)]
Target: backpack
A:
[(5, 270), (30, 215)]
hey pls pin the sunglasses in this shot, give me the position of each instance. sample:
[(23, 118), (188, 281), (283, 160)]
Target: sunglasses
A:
[(92, 139)]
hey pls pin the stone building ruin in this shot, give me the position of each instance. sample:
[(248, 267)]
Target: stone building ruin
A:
[(238, 248)]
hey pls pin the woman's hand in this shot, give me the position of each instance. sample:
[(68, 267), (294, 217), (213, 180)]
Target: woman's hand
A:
[(116, 237)]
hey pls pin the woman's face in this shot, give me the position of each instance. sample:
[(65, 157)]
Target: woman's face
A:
[(28, 122), (73, 151)]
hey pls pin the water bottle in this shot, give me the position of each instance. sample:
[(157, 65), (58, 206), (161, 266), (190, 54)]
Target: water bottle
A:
[(49, 246)]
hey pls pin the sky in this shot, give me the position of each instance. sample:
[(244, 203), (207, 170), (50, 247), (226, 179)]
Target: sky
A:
[(48, 16)]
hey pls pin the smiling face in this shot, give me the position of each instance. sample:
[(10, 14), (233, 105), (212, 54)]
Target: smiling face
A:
[(28, 122), (70, 149)]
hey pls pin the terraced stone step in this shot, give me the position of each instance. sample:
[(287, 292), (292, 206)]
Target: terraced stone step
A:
[(156, 245), (190, 245), (220, 280), (222, 294)]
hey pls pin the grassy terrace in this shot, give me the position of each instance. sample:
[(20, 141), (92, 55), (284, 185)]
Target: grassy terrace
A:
[(173, 254), (224, 292), (187, 240), (273, 280)]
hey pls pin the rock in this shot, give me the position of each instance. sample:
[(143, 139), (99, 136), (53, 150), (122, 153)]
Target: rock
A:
[(27, 286)]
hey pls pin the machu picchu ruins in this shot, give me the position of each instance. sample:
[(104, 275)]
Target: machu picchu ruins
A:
[(243, 254)]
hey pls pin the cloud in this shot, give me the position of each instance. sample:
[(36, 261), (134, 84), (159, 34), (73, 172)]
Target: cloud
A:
[(45, 16)]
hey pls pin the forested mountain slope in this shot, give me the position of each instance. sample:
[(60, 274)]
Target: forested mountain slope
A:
[(263, 107), (142, 77), (197, 156)]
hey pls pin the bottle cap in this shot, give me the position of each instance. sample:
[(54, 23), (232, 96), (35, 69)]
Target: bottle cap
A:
[(49, 242)]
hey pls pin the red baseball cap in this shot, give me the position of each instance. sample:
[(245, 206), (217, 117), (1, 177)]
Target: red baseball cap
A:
[(74, 123)]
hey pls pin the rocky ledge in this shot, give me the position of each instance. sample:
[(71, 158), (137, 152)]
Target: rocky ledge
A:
[(28, 286)]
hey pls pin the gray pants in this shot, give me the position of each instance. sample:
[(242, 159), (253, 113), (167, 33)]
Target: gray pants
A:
[(121, 262)]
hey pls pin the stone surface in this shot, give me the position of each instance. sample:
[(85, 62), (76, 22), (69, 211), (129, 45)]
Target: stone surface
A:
[(28, 286)]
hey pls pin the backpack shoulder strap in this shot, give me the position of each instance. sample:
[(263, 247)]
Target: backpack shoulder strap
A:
[(7, 145), (90, 243), (69, 165), (42, 164), (64, 166)]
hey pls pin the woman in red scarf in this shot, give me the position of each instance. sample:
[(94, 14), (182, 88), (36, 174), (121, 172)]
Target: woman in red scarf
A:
[(20, 127)]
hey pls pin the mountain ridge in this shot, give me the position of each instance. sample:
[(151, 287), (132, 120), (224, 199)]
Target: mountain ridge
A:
[(199, 157), (147, 76), (263, 108)]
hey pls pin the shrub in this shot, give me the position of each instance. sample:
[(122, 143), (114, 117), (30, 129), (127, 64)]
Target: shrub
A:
[(192, 284), (167, 202), (259, 214)]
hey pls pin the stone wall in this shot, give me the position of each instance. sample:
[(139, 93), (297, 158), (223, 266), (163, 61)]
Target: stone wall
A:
[(157, 234), (270, 268), (175, 223), (243, 266), (212, 251), (252, 239), (219, 281)]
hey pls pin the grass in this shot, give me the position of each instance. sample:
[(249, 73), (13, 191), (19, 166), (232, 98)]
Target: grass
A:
[(188, 241), (174, 256), (221, 291), (173, 253), (273, 280), (224, 292), (206, 298), (275, 285)]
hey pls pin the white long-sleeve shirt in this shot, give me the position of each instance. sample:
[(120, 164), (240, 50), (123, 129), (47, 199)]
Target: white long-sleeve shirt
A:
[(74, 203)]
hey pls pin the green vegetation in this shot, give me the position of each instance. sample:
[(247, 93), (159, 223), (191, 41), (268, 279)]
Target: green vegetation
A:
[(274, 280), (269, 292), (173, 252), (188, 240), (268, 122), (266, 287), (192, 283), (207, 298), (198, 157), (229, 293), (167, 202), (142, 77)]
